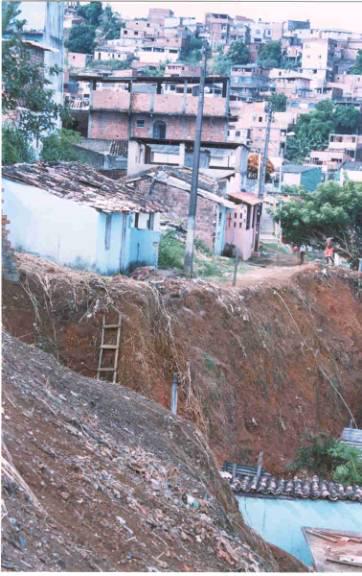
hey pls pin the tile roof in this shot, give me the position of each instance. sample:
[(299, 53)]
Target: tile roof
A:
[(180, 177), (81, 183), (245, 197), (309, 488)]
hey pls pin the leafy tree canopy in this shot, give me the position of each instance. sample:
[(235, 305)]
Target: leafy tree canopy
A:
[(312, 130), (357, 67), (332, 211), (221, 64), (191, 52), (270, 55), (238, 53), (278, 102), (110, 24), (59, 146), (15, 146), (82, 39), (91, 12)]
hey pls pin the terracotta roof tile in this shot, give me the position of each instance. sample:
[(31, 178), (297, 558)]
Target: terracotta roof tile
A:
[(81, 183)]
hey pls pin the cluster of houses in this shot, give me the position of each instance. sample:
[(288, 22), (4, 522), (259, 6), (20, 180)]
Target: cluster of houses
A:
[(138, 133)]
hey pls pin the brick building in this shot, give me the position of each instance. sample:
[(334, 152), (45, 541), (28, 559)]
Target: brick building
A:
[(170, 187), (124, 114)]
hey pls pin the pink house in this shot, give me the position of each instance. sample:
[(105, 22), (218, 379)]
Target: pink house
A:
[(241, 224)]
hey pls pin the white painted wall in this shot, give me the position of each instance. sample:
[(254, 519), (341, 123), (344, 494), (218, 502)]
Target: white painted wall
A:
[(51, 227)]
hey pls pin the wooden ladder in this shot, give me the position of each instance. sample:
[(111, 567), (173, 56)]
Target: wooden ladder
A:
[(101, 369)]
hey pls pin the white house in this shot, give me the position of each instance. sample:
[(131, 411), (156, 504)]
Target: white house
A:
[(351, 171), (69, 213)]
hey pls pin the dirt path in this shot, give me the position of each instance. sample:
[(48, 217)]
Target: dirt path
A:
[(273, 276)]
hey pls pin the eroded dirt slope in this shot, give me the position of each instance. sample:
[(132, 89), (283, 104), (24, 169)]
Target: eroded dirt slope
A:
[(97, 477), (259, 364)]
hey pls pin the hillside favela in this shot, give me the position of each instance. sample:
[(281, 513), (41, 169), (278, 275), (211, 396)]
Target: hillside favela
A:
[(181, 286)]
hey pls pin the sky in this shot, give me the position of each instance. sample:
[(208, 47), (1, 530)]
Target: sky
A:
[(343, 14)]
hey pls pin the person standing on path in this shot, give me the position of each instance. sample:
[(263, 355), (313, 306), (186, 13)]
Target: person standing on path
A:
[(329, 252)]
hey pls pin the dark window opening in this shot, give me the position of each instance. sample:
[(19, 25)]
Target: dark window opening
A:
[(248, 216), (159, 130), (140, 123), (136, 220), (107, 235)]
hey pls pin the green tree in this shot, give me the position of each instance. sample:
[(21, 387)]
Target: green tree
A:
[(15, 146), (278, 102), (270, 55), (312, 130), (238, 53), (221, 63), (331, 211), (191, 52), (91, 12), (82, 39), (59, 146), (25, 87), (357, 67), (110, 24)]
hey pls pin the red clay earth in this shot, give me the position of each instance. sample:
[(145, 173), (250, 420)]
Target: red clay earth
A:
[(98, 478), (259, 364)]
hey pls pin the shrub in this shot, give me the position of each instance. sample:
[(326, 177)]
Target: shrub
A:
[(171, 251), (327, 456), (15, 146)]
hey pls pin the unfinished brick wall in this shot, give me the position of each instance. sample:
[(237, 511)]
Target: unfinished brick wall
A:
[(175, 203), (114, 125), (9, 270)]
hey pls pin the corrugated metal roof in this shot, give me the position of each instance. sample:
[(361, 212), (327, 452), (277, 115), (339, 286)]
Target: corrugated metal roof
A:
[(353, 166), (82, 184), (296, 168), (352, 437)]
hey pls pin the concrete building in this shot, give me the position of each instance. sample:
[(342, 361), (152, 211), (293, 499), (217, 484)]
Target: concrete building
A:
[(241, 224), (110, 54), (44, 24), (329, 160), (351, 171), (318, 58), (351, 144), (248, 82), (77, 60), (218, 27), (308, 177), (72, 215)]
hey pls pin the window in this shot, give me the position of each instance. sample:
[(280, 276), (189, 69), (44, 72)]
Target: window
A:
[(136, 220), (136, 33), (151, 222), (125, 32), (260, 119), (248, 216), (107, 233), (159, 130), (237, 133)]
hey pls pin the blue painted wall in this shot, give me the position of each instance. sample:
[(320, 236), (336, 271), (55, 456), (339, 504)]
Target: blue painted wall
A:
[(280, 521), (311, 179), (220, 229), (75, 235)]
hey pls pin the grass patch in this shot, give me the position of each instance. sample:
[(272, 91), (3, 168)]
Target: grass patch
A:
[(171, 251)]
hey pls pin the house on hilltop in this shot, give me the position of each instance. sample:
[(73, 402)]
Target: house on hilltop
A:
[(71, 214)]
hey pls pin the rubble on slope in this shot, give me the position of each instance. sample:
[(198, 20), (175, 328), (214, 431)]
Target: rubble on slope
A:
[(97, 477)]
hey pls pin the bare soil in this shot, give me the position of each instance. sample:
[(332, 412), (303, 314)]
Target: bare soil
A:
[(96, 477), (259, 365)]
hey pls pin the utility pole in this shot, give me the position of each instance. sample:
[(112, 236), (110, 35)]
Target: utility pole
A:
[(261, 181), (191, 221)]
